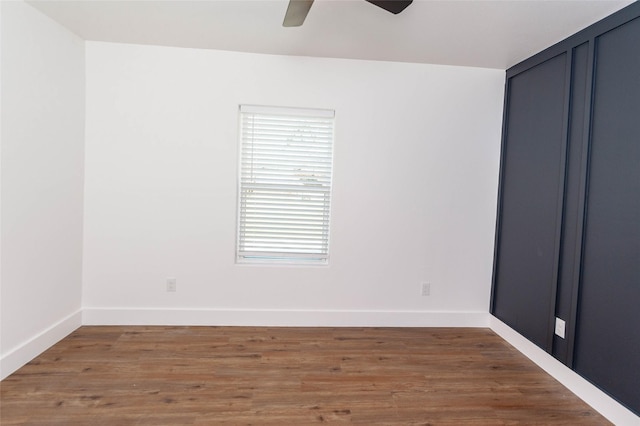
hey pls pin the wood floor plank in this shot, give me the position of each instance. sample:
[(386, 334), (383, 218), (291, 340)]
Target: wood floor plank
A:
[(275, 376)]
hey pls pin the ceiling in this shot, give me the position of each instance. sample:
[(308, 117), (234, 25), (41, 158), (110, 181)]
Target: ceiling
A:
[(477, 33)]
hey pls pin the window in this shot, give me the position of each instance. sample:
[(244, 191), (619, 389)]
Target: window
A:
[(286, 161)]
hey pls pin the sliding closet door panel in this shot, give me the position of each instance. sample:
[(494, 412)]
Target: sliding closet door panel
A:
[(607, 347), (571, 218), (531, 181)]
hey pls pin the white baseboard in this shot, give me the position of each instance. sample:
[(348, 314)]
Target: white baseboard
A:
[(284, 318), (33, 347), (600, 401)]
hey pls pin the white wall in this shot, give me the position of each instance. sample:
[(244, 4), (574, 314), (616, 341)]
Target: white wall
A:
[(416, 170), (42, 182)]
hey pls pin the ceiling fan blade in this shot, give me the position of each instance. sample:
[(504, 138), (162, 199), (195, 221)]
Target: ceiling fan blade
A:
[(393, 6), (296, 12)]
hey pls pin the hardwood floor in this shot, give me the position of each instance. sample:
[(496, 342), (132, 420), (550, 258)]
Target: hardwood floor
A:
[(278, 376)]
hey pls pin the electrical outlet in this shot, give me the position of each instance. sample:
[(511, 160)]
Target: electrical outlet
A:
[(171, 284), (560, 327), (426, 289)]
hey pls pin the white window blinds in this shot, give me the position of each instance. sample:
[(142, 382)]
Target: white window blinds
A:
[(285, 184)]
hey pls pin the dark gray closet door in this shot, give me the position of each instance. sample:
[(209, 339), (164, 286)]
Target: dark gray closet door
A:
[(607, 346), (532, 176), (572, 217)]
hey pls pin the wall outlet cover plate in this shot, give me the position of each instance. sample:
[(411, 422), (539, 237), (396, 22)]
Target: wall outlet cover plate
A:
[(560, 327)]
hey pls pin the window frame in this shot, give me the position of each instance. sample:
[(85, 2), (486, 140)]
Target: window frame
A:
[(290, 257)]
